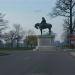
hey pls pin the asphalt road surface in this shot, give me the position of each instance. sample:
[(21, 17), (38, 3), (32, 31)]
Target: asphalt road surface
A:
[(37, 63)]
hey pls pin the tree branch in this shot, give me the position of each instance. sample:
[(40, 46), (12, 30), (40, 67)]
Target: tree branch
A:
[(73, 5), (64, 1)]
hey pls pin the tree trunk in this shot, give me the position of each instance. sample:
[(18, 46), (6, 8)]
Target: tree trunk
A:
[(12, 44), (17, 43), (71, 29)]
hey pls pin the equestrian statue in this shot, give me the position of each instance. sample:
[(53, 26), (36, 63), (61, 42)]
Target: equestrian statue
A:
[(43, 25)]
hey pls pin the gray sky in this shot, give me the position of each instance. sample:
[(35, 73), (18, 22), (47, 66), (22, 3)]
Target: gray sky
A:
[(29, 12)]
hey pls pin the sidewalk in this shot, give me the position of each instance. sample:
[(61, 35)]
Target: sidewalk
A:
[(72, 53)]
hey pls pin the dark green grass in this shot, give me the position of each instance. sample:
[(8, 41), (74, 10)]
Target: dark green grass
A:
[(17, 49)]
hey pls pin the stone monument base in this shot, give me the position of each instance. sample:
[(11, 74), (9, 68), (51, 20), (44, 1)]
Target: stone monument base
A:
[(45, 48), (45, 43)]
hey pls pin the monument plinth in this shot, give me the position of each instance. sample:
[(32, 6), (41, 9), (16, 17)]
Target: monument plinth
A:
[(45, 43)]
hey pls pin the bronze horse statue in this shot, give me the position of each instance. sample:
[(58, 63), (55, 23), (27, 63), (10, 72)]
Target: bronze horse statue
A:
[(43, 26)]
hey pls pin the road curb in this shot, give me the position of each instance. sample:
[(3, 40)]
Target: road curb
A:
[(71, 55)]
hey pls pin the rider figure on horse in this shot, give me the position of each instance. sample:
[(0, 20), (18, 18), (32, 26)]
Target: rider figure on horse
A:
[(43, 25), (43, 22)]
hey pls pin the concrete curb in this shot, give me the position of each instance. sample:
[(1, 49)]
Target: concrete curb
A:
[(70, 53)]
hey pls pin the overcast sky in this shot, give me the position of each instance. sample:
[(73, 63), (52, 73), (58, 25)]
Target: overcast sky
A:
[(29, 12)]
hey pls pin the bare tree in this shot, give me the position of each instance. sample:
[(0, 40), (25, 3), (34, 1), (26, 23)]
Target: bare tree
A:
[(10, 37), (30, 37), (31, 40), (19, 33), (66, 26), (65, 8), (3, 23), (30, 32), (67, 30), (14, 36)]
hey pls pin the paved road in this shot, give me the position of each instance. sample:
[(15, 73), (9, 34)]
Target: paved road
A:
[(37, 63)]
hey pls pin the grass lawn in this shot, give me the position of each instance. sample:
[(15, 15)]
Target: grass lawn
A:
[(15, 49), (7, 51)]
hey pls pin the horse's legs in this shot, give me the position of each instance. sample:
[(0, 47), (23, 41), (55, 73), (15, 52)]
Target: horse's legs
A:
[(41, 31), (49, 31)]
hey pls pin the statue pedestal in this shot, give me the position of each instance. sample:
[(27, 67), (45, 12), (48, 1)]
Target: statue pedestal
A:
[(45, 43)]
